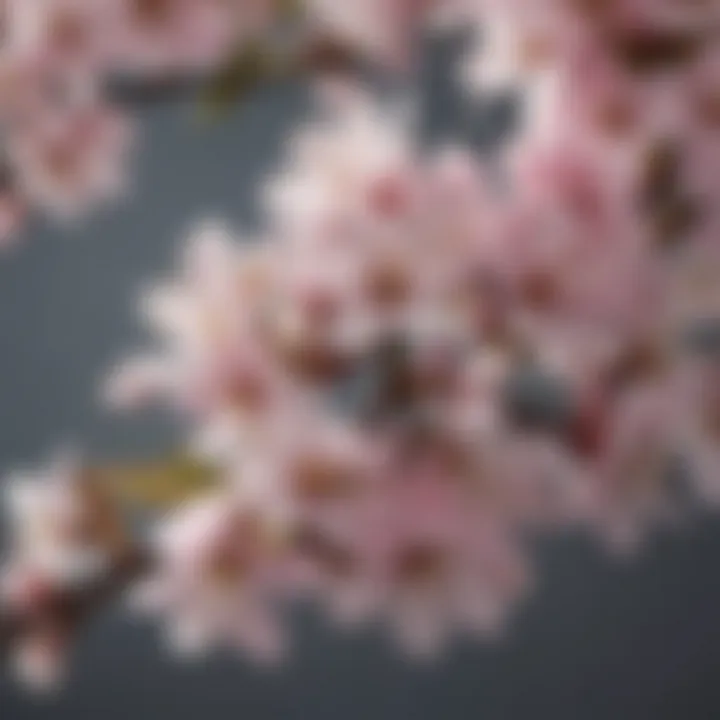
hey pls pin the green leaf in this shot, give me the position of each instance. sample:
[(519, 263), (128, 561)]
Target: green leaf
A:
[(162, 484), (234, 81), (289, 10)]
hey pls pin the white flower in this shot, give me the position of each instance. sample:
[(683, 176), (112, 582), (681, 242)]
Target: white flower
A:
[(64, 527)]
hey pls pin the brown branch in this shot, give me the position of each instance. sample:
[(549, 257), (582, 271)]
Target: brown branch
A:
[(70, 609), (241, 74), (114, 491)]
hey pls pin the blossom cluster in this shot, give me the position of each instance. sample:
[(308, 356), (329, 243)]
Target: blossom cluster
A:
[(66, 137), (417, 367), (424, 360), (64, 144)]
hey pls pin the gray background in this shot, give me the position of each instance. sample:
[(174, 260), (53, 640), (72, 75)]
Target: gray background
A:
[(599, 640)]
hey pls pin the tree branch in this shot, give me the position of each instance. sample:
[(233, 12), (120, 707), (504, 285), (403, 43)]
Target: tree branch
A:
[(70, 608)]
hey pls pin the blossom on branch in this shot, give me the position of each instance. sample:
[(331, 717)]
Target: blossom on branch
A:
[(424, 359)]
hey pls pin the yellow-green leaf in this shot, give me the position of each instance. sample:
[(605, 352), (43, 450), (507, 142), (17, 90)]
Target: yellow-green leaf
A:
[(161, 484)]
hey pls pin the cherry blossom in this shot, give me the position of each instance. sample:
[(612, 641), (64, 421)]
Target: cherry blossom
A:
[(213, 577), (385, 30), (423, 359), (66, 535), (65, 527), (170, 36), (72, 160)]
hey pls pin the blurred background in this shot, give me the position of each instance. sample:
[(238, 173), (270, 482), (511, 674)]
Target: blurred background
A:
[(599, 640)]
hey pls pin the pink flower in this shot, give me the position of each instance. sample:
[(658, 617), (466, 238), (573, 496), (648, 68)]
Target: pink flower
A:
[(327, 182), (215, 579), (385, 30), (168, 36), (580, 256), (511, 47), (71, 159), (624, 436), (430, 563), (63, 35), (66, 534), (211, 359), (65, 528)]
